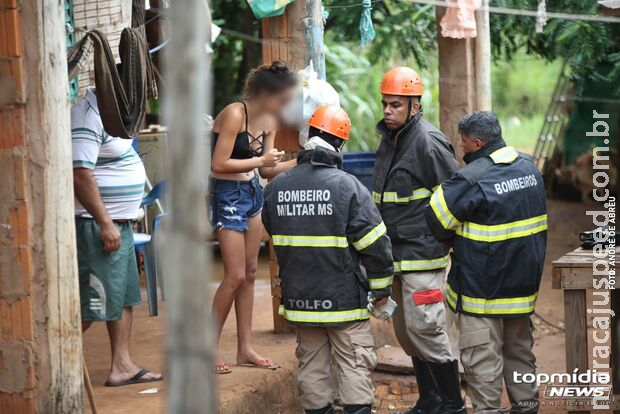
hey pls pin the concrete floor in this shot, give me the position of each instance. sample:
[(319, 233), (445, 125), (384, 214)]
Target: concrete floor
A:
[(250, 390)]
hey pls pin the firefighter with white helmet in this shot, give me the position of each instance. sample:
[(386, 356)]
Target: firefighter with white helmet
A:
[(323, 223)]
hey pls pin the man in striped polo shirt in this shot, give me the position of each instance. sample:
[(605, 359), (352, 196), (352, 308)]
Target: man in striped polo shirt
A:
[(108, 179)]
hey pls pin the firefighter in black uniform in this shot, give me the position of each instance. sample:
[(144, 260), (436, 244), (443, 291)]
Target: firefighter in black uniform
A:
[(323, 223), (413, 158), (493, 212)]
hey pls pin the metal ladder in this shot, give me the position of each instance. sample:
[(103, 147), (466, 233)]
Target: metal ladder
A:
[(555, 119)]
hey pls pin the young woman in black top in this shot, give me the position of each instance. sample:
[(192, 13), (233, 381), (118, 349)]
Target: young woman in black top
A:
[(243, 142)]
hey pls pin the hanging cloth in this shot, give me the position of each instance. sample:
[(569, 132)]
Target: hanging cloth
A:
[(268, 8), (459, 21), (541, 16), (122, 90), (367, 30)]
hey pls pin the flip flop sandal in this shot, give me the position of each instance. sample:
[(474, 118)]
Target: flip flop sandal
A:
[(222, 368), (264, 363), (136, 379)]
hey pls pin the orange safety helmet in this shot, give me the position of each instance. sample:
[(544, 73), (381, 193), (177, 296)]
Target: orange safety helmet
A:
[(402, 81), (333, 120)]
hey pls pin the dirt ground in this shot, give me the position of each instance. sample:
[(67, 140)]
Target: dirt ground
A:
[(253, 390)]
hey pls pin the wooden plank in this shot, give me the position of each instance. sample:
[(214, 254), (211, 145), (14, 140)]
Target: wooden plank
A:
[(577, 278), (575, 333), (55, 304), (457, 79), (189, 333), (284, 39), (574, 261), (556, 278)]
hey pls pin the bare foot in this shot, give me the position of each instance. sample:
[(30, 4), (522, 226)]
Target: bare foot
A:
[(221, 368), (118, 375), (252, 357)]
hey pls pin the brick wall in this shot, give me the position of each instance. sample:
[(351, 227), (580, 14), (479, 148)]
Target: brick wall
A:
[(17, 381), (109, 16)]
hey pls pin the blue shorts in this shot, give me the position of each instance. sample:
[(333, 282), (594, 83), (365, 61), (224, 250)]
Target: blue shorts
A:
[(234, 202)]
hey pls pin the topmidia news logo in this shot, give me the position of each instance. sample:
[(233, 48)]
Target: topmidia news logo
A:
[(576, 389)]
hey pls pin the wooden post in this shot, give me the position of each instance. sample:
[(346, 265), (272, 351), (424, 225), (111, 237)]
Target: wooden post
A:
[(284, 39), (40, 333), (457, 82), (189, 335), (483, 58), (316, 52)]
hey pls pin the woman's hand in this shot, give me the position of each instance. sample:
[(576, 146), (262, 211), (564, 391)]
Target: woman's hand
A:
[(271, 158)]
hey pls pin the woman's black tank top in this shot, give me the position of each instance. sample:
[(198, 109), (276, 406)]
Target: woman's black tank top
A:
[(246, 145)]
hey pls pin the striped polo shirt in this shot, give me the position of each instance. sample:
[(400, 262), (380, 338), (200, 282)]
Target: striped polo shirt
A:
[(116, 166)]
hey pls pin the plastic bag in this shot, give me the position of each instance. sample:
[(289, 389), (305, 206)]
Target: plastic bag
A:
[(313, 93), (268, 8)]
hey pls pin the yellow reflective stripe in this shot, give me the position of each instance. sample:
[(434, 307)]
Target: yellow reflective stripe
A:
[(376, 197), (417, 265), (505, 306), (370, 237), (441, 210), (499, 232), (309, 241), (380, 283), (504, 155), (451, 297), (392, 196), (323, 317)]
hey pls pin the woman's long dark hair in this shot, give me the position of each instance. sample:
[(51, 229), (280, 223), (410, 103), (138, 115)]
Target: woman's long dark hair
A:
[(270, 79)]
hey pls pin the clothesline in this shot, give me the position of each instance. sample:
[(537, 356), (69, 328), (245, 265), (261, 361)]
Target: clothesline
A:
[(500, 10)]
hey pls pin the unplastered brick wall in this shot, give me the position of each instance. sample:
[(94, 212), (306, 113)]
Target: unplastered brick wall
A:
[(108, 16), (17, 381)]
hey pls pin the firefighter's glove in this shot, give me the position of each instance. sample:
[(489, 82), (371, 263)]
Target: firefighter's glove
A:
[(384, 310)]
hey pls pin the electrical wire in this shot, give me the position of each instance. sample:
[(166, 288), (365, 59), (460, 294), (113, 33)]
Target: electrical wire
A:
[(523, 12), (349, 6), (499, 10)]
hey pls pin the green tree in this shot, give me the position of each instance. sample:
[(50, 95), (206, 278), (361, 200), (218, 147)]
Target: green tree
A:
[(236, 51)]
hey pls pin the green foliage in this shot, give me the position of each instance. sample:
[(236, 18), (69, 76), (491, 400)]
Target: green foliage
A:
[(404, 29), (409, 30), (356, 75), (234, 54), (583, 45)]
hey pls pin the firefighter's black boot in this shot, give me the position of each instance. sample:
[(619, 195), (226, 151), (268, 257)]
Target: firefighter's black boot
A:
[(429, 401), (357, 409), (325, 410), (446, 377)]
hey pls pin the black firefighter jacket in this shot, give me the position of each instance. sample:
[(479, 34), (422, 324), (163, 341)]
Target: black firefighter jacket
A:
[(322, 222), (408, 168), (494, 213)]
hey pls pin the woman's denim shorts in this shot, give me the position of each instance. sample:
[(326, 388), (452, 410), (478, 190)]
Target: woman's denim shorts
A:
[(234, 202)]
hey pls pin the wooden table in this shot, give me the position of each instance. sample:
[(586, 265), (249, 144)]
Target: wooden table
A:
[(573, 273)]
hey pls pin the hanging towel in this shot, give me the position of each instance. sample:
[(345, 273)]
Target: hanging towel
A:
[(122, 90)]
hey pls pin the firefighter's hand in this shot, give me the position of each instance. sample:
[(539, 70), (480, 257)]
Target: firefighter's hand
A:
[(381, 302), (271, 158), (111, 237), (383, 308)]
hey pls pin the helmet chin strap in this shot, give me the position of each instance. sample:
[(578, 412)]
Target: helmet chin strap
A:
[(409, 108)]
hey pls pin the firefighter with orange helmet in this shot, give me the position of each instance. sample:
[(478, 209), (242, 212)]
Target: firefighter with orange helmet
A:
[(413, 158), (323, 223)]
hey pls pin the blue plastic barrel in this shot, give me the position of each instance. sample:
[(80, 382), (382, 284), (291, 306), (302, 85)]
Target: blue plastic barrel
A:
[(361, 165)]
